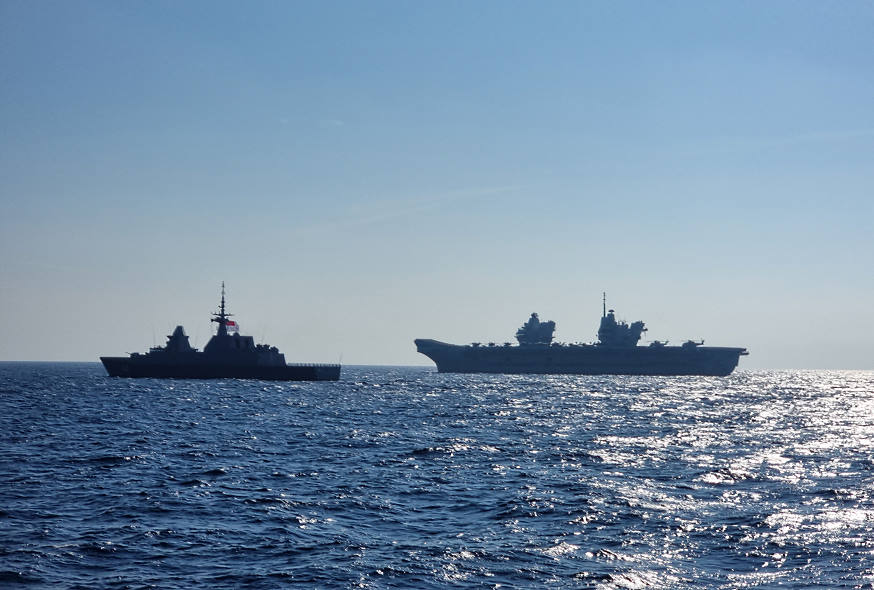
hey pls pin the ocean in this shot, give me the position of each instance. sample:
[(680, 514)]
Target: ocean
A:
[(400, 477)]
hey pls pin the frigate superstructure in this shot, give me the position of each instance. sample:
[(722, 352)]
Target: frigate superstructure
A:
[(616, 353), (227, 355)]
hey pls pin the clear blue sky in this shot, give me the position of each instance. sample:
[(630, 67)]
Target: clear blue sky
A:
[(365, 173)]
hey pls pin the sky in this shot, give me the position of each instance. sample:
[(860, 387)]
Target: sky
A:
[(361, 174)]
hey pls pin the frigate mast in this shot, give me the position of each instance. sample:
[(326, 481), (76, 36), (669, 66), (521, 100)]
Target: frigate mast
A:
[(221, 318)]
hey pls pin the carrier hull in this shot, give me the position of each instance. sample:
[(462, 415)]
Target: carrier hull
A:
[(581, 359)]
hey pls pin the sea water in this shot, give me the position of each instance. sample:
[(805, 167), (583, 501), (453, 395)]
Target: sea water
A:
[(407, 478)]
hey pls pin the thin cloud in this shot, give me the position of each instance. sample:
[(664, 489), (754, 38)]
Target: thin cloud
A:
[(837, 135), (385, 211), (426, 203), (332, 123)]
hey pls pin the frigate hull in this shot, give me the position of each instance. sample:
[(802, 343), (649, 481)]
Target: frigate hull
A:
[(194, 368), (581, 359)]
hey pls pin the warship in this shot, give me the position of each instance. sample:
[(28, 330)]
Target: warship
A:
[(227, 355), (616, 353)]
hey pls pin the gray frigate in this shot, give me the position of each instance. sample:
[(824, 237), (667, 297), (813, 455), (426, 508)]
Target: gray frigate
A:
[(227, 355)]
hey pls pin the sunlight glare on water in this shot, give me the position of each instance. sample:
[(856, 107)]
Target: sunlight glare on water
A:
[(403, 477)]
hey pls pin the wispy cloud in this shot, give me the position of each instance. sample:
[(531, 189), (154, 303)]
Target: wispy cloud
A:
[(751, 142), (377, 211), (826, 136), (422, 203), (331, 123), (323, 123), (810, 137)]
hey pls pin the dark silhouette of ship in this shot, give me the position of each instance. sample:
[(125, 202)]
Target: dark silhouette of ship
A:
[(227, 355), (615, 353)]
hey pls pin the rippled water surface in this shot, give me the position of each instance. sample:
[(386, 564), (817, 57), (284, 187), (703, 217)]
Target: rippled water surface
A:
[(403, 477)]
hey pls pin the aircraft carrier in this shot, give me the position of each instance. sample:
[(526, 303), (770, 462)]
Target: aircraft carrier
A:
[(616, 353)]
